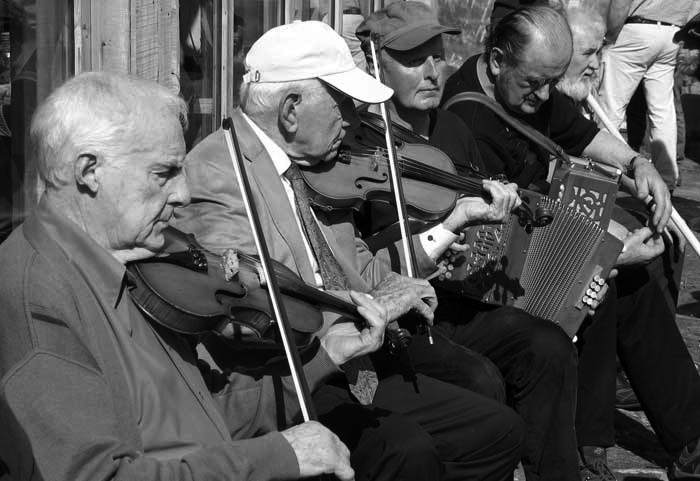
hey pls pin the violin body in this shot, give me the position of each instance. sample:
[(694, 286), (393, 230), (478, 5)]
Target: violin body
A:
[(186, 290), (361, 173)]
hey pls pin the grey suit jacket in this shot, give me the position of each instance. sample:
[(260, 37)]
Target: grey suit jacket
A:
[(217, 215), (65, 408)]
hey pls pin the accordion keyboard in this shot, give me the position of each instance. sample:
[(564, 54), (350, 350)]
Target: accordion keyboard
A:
[(555, 272)]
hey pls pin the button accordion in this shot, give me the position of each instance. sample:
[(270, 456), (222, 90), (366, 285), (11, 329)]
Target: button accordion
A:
[(556, 271)]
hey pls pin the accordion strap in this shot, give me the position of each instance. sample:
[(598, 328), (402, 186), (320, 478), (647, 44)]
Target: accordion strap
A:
[(525, 130)]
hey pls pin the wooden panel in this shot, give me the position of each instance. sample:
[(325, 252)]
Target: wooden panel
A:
[(138, 36), (155, 41), (145, 38), (110, 48)]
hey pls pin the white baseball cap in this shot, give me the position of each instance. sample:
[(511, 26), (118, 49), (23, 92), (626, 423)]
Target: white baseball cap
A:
[(307, 50)]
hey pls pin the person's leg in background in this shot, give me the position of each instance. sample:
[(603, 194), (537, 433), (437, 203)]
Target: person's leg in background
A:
[(625, 65), (658, 88)]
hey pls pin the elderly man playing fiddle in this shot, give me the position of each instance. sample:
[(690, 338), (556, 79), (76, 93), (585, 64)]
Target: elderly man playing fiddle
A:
[(296, 106), (671, 401), (90, 388), (534, 356)]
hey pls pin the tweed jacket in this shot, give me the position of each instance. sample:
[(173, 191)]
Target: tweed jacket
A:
[(65, 411)]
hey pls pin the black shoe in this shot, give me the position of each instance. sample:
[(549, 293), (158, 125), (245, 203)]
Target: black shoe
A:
[(687, 466), (595, 465), (625, 398)]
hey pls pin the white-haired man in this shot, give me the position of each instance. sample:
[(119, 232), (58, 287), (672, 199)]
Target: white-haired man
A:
[(297, 104), (89, 388), (588, 32), (674, 421)]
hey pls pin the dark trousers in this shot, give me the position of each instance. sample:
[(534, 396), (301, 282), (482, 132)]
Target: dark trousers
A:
[(538, 363), (641, 325), (453, 363), (637, 322), (440, 432)]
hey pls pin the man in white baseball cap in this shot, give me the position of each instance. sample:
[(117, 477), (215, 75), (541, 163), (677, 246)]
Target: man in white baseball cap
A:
[(307, 50), (296, 105)]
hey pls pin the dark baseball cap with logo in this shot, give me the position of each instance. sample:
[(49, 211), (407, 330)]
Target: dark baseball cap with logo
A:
[(402, 26)]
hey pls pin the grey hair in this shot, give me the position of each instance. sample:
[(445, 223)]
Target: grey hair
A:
[(513, 33), (586, 16), (97, 112), (259, 99)]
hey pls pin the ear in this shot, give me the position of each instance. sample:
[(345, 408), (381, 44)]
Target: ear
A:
[(496, 60), (84, 171), (289, 112)]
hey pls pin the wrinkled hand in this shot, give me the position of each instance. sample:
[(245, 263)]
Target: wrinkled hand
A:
[(319, 451), (345, 340), (641, 246), (400, 295), (476, 210), (647, 181)]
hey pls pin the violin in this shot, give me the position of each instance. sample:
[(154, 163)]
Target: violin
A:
[(193, 291), (430, 179), (360, 173)]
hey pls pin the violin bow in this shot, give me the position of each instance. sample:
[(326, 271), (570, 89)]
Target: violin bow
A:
[(300, 384), (395, 174)]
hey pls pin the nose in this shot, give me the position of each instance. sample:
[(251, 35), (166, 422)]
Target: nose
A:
[(180, 194), (430, 69), (595, 62), (542, 93)]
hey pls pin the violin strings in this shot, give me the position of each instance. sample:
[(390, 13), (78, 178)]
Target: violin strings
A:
[(420, 170), (417, 167)]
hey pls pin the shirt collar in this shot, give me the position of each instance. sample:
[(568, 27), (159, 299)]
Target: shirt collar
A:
[(279, 158), (101, 270)]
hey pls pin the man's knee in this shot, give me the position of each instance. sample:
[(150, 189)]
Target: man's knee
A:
[(508, 433), (470, 370), (486, 379), (501, 435), (402, 450), (544, 342)]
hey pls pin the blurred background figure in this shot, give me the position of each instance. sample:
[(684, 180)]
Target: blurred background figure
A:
[(352, 17), (645, 50)]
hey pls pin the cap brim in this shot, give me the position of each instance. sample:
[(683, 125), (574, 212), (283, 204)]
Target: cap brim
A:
[(419, 35), (359, 85)]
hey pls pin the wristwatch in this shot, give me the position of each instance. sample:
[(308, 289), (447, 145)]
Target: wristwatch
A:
[(630, 166)]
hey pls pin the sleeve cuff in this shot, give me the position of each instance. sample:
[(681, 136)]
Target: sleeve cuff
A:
[(257, 452), (319, 368), (436, 240)]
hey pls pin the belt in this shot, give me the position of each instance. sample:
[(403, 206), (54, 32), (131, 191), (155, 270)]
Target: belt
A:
[(352, 11), (635, 19)]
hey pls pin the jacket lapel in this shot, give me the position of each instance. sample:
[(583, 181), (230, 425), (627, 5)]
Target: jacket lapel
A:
[(282, 232)]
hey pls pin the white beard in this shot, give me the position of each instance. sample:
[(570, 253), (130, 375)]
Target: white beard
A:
[(576, 89)]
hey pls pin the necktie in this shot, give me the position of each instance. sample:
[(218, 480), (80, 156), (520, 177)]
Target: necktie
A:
[(331, 272), (362, 379)]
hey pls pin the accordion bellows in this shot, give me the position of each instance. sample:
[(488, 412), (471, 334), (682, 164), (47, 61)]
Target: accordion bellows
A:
[(556, 272)]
